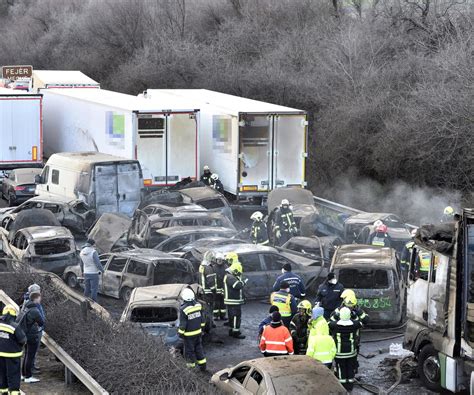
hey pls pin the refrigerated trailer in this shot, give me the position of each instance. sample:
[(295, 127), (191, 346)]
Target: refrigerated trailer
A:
[(161, 136), (253, 146), (20, 129), (47, 79)]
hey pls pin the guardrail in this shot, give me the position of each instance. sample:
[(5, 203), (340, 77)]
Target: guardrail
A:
[(70, 364)]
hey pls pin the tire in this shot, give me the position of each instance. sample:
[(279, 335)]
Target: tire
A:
[(71, 281), (429, 368), (125, 294)]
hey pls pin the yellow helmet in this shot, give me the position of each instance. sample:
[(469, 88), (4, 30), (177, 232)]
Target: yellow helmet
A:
[(349, 298), (236, 267), (305, 305), (448, 210), (232, 257), (9, 309)]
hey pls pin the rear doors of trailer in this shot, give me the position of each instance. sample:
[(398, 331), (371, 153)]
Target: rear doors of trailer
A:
[(20, 130)]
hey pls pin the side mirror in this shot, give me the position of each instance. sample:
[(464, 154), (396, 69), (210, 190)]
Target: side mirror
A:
[(224, 376), (38, 179)]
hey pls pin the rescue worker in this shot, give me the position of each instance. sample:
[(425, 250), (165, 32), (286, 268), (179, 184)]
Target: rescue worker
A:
[(422, 263), (207, 279), (285, 302), (220, 270), (349, 300), (206, 175), (266, 321), (329, 295), (344, 333), (259, 231), (297, 287), (299, 327), (321, 345), (380, 237), (448, 214), (12, 340), (234, 294), (216, 183), (405, 257), (285, 225), (276, 339), (191, 323)]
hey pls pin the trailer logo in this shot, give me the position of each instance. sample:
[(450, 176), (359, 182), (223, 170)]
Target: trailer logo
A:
[(14, 72), (115, 128)]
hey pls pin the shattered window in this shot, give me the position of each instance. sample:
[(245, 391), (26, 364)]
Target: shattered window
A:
[(137, 268), (364, 278), (51, 247), (117, 264), (154, 314), (212, 203)]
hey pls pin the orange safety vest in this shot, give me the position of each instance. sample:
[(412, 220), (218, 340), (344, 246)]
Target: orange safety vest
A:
[(276, 340)]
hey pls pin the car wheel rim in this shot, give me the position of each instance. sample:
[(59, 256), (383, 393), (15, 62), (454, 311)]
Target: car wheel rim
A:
[(72, 281), (431, 369)]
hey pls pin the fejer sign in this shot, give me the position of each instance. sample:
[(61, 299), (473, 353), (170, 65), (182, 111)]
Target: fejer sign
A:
[(15, 72)]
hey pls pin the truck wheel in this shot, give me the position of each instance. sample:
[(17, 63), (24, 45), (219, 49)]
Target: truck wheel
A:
[(429, 368), (71, 280), (125, 294)]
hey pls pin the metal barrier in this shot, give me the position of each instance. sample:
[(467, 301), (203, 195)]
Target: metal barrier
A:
[(69, 363)]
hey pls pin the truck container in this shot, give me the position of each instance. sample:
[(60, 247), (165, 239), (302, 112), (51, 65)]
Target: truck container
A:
[(163, 137), (106, 183), (47, 79), (21, 131), (253, 146)]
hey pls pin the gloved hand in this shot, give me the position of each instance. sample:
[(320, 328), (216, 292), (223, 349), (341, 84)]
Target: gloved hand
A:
[(278, 234)]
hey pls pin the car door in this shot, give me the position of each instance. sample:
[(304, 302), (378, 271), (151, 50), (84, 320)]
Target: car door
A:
[(175, 242), (255, 383), (113, 276), (139, 229), (236, 382), (137, 274), (253, 270), (273, 263)]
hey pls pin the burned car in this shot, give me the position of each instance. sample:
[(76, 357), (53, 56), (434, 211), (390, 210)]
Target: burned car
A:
[(171, 208), (374, 273), (156, 310), (359, 227), (49, 248), (73, 214), (292, 374), (126, 270), (314, 246), (262, 265), (110, 232), (209, 242)]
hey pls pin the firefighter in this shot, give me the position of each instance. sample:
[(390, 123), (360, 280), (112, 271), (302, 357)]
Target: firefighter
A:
[(207, 279), (405, 257), (349, 300), (329, 294), (285, 302), (344, 333), (276, 339), (285, 225), (296, 283), (191, 323), (12, 340), (216, 183), (259, 231), (321, 345), (299, 327), (206, 175), (234, 294), (380, 237), (448, 214), (423, 263), (220, 271)]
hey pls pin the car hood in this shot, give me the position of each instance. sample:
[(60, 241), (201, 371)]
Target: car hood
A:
[(108, 229)]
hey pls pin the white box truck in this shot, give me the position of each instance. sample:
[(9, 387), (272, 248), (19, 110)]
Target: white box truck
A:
[(253, 146), (21, 140), (47, 79), (163, 139)]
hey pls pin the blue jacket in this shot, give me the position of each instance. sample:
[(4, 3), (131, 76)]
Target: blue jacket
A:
[(26, 299), (264, 323), (297, 288)]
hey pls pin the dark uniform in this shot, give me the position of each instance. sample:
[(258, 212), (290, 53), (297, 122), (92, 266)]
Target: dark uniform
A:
[(234, 299), (12, 339), (346, 354), (405, 258), (286, 304), (259, 233), (380, 239), (297, 287), (191, 324), (207, 280), (329, 295), (217, 185), (299, 333), (219, 306), (206, 177), (285, 225)]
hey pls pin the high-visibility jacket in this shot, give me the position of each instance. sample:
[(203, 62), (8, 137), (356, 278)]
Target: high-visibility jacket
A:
[(285, 302), (191, 319), (12, 338), (424, 261), (285, 221), (276, 339), (345, 337), (233, 290), (321, 346), (207, 278), (259, 233)]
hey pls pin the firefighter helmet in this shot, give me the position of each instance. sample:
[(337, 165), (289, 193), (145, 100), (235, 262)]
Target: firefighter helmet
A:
[(345, 314), (306, 306), (413, 233), (231, 257), (256, 216), (9, 309), (206, 168), (285, 202), (378, 223), (236, 267), (349, 298), (448, 210), (214, 176), (187, 294)]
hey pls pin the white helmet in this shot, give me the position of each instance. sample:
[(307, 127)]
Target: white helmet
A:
[(187, 294), (214, 176), (256, 216), (378, 223), (285, 202), (413, 232), (206, 167)]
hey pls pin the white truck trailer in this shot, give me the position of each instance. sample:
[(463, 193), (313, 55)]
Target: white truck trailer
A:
[(253, 146), (47, 79), (21, 140), (163, 138)]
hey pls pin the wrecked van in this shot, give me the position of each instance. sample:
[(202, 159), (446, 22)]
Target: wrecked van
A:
[(374, 273), (126, 270), (156, 310)]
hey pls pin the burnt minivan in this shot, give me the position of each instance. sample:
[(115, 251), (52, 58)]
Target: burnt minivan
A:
[(374, 273)]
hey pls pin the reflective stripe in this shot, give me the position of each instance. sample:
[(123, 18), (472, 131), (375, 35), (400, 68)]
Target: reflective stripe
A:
[(7, 328), (11, 354), (192, 309), (193, 333), (202, 361), (191, 365), (288, 340), (276, 351), (273, 342)]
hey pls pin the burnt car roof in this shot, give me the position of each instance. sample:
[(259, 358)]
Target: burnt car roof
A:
[(186, 215), (176, 230), (243, 248), (361, 254), (177, 206), (160, 292), (200, 193), (146, 254), (367, 218), (38, 233), (55, 199)]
